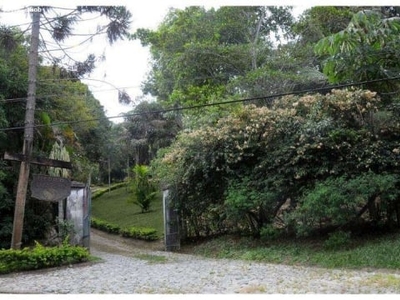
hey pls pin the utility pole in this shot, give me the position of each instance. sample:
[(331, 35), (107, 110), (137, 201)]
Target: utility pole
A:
[(28, 134)]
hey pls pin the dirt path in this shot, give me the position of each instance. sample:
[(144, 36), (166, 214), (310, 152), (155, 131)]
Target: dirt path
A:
[(115, 244)]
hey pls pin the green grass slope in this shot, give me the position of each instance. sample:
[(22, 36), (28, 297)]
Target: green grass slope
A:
[(113, 207)]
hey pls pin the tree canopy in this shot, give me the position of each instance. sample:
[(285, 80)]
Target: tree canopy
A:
[(366, 49), (296, 164), (196, 52), (66, 113)]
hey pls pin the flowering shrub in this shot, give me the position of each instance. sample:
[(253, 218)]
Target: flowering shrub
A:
[(251, 168)]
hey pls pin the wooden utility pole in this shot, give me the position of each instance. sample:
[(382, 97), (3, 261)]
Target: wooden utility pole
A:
[(28, 135)]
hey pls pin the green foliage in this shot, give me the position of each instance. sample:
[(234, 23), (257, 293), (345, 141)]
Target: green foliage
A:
[(364, 50), (144, 190), (104, 226), (196, 52), (339, 201), (61, 98), (39, 219), (113, 208), (147, 234), (101, 191), (146, 129), (65, 229), (360, 253), (270, 233), (250, 205), (303, 164), (321, 21), (140, 233), (337, 240), (6, 210), (41, 257), (59, 152)]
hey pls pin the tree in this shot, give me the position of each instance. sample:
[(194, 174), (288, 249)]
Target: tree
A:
[(149, 129), (365, 50), (61, 29), (197, 52), (322, 21)]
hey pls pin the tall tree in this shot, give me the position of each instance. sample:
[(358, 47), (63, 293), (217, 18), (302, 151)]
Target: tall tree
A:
[(366, 49), (149, 129), (197, 52), (61, 27)]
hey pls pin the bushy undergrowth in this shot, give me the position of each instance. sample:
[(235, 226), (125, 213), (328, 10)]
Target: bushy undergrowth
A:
[(148, 234), (338, 240), (305, 164), (141, 233), (339, 252), (41, 257)]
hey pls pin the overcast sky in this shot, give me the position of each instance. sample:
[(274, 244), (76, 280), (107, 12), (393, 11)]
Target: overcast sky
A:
[(127, 62)]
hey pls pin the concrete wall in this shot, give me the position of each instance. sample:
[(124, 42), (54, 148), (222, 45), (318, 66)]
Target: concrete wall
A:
[(78, 213)]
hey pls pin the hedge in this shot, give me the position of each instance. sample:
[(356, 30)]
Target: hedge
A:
[(141, 233), (102, 191), (41, 257)]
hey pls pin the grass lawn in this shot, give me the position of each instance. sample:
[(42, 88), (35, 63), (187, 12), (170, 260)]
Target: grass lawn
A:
[(362, 253), (113, 207), (370, 252)]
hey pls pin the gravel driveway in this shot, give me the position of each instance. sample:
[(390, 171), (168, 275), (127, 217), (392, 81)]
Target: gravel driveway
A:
[(127, 267)]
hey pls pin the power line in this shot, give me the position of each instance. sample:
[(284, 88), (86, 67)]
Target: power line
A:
[(65, 53), (39, 98), (43, 82), (115, 88), (207, 104), (77, 45)]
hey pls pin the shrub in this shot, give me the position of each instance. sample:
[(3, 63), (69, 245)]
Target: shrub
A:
[(270, 233), (144, 190), (341, 201), (41, 257), (148, 234), (140, 233), (104, 226), (304, 149), (337, 240)]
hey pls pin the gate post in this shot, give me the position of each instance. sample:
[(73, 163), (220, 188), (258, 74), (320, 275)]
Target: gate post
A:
[(171, 224)]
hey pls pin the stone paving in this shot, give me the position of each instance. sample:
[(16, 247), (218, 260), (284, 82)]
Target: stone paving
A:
[(127, 270)]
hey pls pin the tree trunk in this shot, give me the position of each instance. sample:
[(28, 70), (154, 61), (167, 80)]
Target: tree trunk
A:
[(254, 46), (28, 135)]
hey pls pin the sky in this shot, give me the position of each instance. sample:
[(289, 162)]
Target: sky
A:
[(126, 62)]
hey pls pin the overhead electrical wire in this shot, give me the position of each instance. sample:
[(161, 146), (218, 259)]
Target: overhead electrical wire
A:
[(77, 45), (43, 82), (115, 88), (206, 104), (58, 44)]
